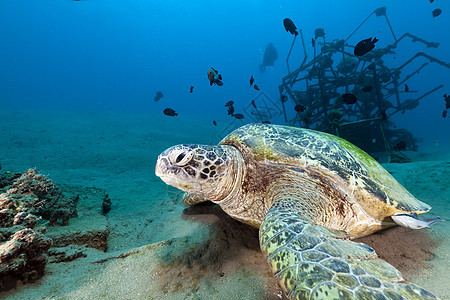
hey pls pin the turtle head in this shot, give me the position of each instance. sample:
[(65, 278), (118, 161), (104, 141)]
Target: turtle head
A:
[(206, 171)]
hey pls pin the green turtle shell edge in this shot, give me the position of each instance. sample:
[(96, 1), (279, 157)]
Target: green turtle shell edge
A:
[(331, 156)]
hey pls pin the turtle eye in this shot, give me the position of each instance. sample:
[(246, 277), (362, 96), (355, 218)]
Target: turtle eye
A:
[(181, 157)]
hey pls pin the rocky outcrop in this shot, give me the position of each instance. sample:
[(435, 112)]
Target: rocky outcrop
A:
[(34, 215), (23, 256)]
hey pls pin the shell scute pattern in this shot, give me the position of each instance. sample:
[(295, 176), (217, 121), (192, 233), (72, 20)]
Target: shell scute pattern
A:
[(271, 218), (330, 290), (312, 274), (347, 280), (303, 242), (391, 294), (357, 270), (410, 292), (384, 270), (281, 238), (328, 249), (288, 281), (358, 250), (370, 294), (337, 265), (327, 154), (285, 259), (313, 255), (370, 281), (297, 227), (312, 230), (300, 293), (330, 268)]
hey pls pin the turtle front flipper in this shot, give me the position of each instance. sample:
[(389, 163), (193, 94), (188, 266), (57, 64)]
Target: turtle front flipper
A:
[(314, 262), (192, 199)]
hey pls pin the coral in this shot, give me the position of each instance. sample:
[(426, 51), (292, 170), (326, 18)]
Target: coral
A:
[(6, 217), (27, 199), (25, 219), (31, 182), (23, 256), (34, 193), (7, 178)]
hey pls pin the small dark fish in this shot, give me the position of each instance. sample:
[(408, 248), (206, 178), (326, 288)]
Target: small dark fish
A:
[(349, 98), (384, 116), (230, 110), (400, 146), (447, 101), (256, 87), (238, 116), (192, 89), (252, 80), (367, 88), (406, 88), (253, 103), (431, 1), (214, 77), (170, 112), (313, 42), (299, 108), (158, 96), (215, 123), (365, 46), (266, 122), (229, 103), (436, 12), (444, 113), (290, 26)]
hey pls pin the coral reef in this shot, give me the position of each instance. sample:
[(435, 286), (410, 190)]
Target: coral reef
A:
[(23, 256), (27, 199), (36, 194), (22, 247), (34, 216)]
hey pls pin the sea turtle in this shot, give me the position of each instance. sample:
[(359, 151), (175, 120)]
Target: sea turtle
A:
[(309, 193)]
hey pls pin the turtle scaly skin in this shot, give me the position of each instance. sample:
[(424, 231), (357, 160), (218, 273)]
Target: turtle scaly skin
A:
[(309, 193), (312, 261)]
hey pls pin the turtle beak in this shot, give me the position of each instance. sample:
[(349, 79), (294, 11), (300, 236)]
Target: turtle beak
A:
[(161, 165), (165, 170)]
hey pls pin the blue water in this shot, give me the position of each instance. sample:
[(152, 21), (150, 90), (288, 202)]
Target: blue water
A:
[(96, 59), (114, 55)]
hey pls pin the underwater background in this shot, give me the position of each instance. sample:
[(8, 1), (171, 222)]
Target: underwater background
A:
[(78, 81), (114, 56)]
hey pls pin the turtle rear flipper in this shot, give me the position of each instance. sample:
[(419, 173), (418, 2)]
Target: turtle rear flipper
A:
[(314, 262)]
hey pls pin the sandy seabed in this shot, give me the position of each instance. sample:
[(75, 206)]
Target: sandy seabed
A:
[(159, 249)]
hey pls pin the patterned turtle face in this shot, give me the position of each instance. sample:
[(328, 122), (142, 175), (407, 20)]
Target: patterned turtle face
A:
[(195, 169)]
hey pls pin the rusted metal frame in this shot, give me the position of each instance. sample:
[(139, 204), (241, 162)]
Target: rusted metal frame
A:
[(414, 39)]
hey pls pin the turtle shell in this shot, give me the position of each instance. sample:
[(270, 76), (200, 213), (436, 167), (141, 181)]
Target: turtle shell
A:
[(352, 169)]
